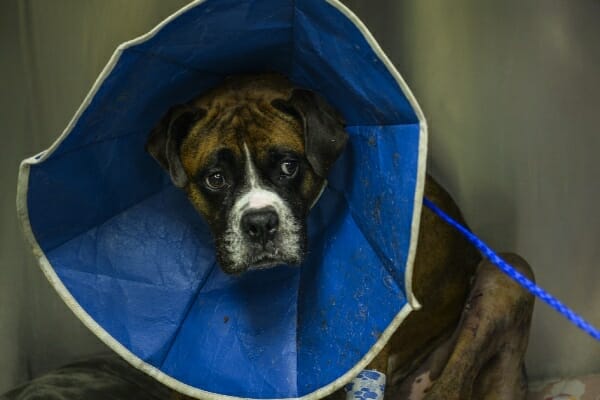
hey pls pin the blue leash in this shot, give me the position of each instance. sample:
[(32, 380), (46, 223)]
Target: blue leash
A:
[(521, 279)]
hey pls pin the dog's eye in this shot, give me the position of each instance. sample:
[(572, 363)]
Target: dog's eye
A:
[(215, 181), (289, 167)]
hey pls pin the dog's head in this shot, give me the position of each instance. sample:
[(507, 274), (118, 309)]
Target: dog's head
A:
[(252, 156)]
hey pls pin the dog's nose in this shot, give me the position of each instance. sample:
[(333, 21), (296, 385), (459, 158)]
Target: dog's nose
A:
[(260, 225)]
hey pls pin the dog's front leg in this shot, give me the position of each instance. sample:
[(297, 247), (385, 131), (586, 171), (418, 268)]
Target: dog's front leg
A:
[(486, 354)]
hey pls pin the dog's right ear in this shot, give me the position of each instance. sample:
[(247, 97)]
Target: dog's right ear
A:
[(165, 139), (324, 133)]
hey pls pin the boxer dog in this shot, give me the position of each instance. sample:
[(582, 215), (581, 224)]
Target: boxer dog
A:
[(253, 154)]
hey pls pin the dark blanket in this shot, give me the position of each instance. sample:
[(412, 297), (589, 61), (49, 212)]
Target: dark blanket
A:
[(101, 378)]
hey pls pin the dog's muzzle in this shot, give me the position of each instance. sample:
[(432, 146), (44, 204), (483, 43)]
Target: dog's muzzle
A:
[(262, 232)]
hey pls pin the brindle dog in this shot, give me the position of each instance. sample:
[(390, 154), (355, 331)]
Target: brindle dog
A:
[(253, 155)]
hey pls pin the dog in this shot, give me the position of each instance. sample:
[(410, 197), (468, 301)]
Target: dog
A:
[(252, 156)]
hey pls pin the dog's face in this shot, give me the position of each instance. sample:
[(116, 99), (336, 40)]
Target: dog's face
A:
[(252, 156)]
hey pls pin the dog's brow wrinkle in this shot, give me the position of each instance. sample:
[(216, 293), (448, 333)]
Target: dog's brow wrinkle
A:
[(225, 120), (262, 123), (260, 113), (211, 123)]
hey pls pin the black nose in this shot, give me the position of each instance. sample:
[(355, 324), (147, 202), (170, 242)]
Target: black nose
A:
[(260, 225)]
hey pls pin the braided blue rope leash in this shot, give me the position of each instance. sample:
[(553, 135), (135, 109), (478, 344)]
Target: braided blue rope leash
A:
[(516, 275)]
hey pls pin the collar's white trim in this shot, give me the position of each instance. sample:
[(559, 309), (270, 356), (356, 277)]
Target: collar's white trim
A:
[(321, 191)]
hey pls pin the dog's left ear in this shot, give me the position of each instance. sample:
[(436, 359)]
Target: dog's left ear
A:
[(165, 139), (324, 134)]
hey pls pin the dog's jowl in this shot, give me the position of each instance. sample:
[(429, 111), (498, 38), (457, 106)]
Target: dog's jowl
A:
[(252, 156)]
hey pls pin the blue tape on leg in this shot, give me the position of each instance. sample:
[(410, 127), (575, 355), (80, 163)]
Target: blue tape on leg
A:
[(368, 385)]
